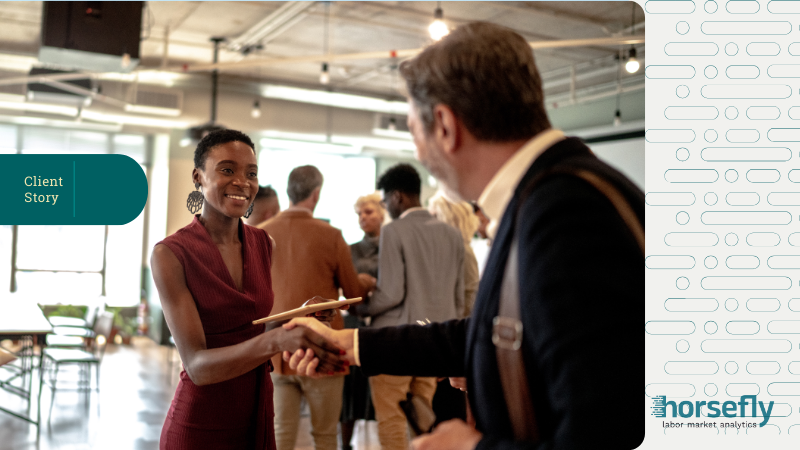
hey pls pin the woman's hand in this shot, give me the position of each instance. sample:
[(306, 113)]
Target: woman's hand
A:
[(308, 363), (327, 357)]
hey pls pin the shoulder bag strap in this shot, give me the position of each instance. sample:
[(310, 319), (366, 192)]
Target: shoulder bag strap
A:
[(507, 326)]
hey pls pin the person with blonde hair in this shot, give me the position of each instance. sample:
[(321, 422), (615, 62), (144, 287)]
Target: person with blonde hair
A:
[(370, 218), (461, 216), (356, 401)]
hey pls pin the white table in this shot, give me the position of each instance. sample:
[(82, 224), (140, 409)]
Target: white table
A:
[(23, 321)]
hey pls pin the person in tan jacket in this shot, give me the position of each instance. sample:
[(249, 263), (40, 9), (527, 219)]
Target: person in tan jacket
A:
[(311, 258)]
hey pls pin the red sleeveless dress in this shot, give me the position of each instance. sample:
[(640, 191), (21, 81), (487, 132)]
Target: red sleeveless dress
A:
[(237, 413)]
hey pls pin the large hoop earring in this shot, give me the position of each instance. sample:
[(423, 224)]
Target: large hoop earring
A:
[(249, 211), (195, 200)]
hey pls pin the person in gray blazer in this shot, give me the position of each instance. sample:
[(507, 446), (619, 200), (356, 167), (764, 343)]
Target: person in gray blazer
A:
[(420, 279)]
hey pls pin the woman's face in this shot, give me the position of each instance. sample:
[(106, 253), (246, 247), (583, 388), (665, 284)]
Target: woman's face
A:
[(369, 219), (229, 179)]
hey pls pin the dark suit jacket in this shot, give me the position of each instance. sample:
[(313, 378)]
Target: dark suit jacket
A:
[(582, 306)]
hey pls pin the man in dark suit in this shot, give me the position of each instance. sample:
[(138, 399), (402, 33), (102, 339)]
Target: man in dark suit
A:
[(479, 124)]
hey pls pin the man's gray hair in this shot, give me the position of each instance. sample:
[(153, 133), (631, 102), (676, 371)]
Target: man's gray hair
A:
[(302, 182)]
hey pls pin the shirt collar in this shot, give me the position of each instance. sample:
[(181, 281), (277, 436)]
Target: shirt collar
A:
[(410, 210), (299, 208), (495, 197)]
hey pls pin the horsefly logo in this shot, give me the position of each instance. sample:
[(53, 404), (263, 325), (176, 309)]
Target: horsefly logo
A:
[(747, 406)]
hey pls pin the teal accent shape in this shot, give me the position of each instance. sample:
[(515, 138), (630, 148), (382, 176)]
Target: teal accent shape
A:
[(71, 189)]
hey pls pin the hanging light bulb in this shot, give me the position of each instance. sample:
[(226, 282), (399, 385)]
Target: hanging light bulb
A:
[(324, 75), (617, 118), (392, 124), (125, 62), (255, 113), (633, 64), (438, 29)]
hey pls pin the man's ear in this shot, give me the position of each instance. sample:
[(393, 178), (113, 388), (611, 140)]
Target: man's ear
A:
[(446, 129)]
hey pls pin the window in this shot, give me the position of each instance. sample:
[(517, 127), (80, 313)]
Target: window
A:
[(72, 264), (346, 179)]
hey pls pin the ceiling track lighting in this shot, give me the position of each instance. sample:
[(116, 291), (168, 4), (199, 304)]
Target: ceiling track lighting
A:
[(632, 65), (255, 113), (438, 29), (324, 74)]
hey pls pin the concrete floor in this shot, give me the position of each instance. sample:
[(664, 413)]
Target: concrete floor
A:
[(136, 388)]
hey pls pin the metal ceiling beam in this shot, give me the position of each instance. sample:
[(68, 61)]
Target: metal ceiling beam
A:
[(271, 26), (604, 41)]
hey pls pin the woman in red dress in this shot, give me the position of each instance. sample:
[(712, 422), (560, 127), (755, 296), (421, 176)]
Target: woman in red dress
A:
[(213, 278)]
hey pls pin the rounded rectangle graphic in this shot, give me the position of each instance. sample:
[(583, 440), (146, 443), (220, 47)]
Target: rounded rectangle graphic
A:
[(794, 367), (742, 327), (669, 136), (742, 6), (746, 218), (700, 239), (794, 176), (691, 49), (783, 388), (763, 175), (678, 327), (669, 262), (669, 6), (691, 175), (794, 304), (691, 304), (746, 154), (742, 136), (763, 112), (784, 262), (746, 283), (784, 327), (794, 113), (763, 49), (691, 112), (670, 72), (783, 7), (763, 239), (784, 71), (763, 304), (742, 72), (784, 134), (669, 198), (784, 198), (670, 390), (746, 346), (742, 198), (740, 389), (746, 91), (763, 367), (746, 27), (691, 367), (742, 262), (794, 239)]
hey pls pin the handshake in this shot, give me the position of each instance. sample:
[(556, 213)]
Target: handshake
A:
[(309, 345), (328, 351)]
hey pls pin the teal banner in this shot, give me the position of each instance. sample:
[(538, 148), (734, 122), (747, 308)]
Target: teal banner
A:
[(71, 189)]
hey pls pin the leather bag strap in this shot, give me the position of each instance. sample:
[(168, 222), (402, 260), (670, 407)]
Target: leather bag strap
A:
[(507, 326)]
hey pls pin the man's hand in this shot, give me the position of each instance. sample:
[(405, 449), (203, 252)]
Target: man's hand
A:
[(459, 383), (454, 434), (368, 281), (328, 358), (304, 362), (326, 315)]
